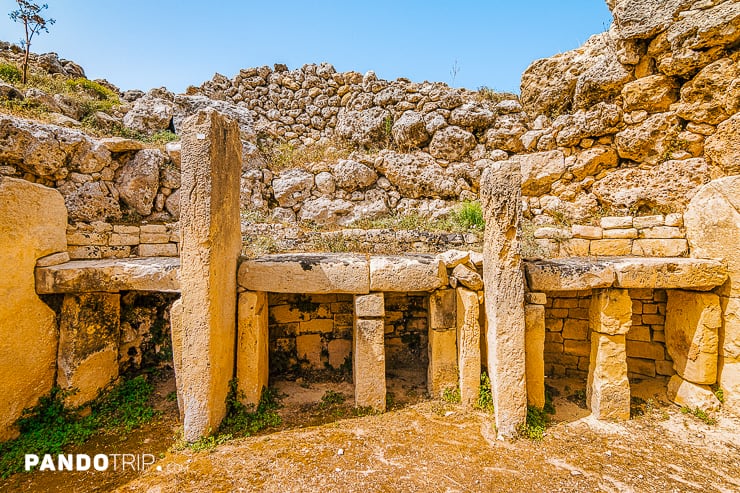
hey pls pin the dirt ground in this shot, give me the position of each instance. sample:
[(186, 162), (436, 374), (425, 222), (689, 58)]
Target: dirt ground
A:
[(434, 446)]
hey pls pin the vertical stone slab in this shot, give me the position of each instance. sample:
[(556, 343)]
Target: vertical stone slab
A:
[(468, 345), (442, 371), (535, 354), (211, 241), (692, 324), (608, 388), (33, 222), (712, 222), (176, 334), (252, 345), (368, 354), (504, 293), (89, 332)]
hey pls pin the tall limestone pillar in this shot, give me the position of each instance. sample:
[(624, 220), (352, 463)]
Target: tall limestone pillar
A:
[(712, 222), (503, 277), (608, 389), (442, 370), (468, 345), (211, 242), (368, 351), (252, 345)]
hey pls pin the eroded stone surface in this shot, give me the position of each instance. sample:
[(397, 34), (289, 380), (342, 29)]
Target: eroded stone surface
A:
[(307, 273), (568, 274), (33, 225), (252, 345), (608, 389), (692, 326), (691, 395), (535, 338), (468, 345), (442, 372), (610, 311), (407, 273), (368, 363)]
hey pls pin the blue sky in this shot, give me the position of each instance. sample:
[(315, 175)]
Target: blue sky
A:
[(150, 43)]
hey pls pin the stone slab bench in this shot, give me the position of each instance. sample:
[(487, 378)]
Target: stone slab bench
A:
[(571, 274), (159, 274)]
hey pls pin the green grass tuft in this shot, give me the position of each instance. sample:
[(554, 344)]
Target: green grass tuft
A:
[(485, 397), (535, 425)]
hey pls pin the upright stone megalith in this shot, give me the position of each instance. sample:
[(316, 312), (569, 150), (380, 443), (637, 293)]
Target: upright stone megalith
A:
[(33, 222), (368, 351), (211, 241), (503, 277), (252, 345)]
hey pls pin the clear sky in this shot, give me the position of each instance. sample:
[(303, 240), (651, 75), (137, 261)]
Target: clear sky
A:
[(175, 43)]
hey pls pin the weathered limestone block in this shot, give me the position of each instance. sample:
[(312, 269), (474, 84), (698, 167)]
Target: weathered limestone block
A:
[(722, 147), (407, 273), (308, 348), (442, 307), (110, 275), (307, 273), (252, 345), (370, 306), (368, 363), (535, 360), (669, 273), (504, 294), (33, 225), (468, 277), (442, 373), (610, 311), (176, 334), (608, 389), (89, 332), (712, 225), (211, 241), (691, 395), (692, 326), (568, 274), (468, 345), (730, 330), (729, 381)]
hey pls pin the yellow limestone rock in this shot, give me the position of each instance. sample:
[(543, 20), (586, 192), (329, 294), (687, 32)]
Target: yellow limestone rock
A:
[(610, 311), (368, 353), (691, 395), (468, 345), (608, 389), (252, 345), (33, 223), (211, 241), (535, 359), (692, 326)]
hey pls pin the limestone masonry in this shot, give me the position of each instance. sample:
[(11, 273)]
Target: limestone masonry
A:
[(302, 221)]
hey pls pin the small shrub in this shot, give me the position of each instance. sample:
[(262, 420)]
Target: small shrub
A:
[(451, 395), (206, 443), (485, 397), (161, 138), (242, 420), (535, 425), (469, 215), (10, 73), (331, 398), (699, 414), (281, 155), (488, 94), (718, 393)]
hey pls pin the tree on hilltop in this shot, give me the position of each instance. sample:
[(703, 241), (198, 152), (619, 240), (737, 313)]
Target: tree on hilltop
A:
[(29, 13)]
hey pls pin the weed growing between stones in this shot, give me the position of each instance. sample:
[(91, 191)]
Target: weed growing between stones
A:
[(718, 393), (535, 425), (451, 395), (331, 398), (699, 414), (485, 397), (243, 420), (49, 427)]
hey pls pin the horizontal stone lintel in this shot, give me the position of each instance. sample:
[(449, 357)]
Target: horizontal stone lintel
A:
[(110, 275), (570, 274)]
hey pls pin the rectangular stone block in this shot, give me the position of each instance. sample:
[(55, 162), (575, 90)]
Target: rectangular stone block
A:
[(646, 350), (575, 247), (620, 233), (692, 325), (660, 248), (576, 348), (535, 298), (615, 222), (639, 366), (610, 311), (730, 330), (587, 232), (308, 349), (442, 372), (176, 335), (468, 345), (500, 191), (614, 247), (442, 305), (306, 273), (89, 333), (211, 242), (154, 237), (158, 250), (407, 273), (575, 329), (661, 232), (642, 222), (534, 354), (252, 345), (368, 363), (608, 388), (370, 305), (119, 239)]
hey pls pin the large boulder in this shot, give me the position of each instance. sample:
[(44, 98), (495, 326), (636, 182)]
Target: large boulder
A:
[(90, 201), (723, 147), (416, 175), (292, 186), (671, 184), (451, 143), (643, 19), (324, 211), (367, 127), (602, 81), (350, 175), (472, 115), (190, 105), (601, 119), (654, 94), (409, 131), (713, 95), (138, 180), (649, 141), (150, 114), (540, 170)]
